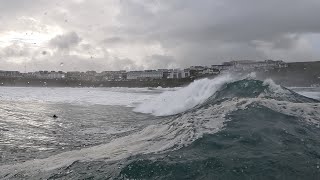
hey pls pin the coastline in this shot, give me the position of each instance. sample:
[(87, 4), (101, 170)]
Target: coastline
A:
[(298, 74), (21, 82)]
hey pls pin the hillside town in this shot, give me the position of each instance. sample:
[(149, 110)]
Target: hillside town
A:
[(148, 75)]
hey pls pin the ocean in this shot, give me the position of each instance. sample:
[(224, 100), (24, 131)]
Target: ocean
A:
[(222, 128)]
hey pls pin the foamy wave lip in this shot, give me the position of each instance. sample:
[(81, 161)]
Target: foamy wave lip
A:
[(174, 102), (313, 95)]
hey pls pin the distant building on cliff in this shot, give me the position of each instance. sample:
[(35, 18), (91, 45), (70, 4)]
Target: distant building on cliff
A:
[(247, 65), (46, 75), (222, 67), (112, 75), (74, 75), (15, 74), (209, 71), (147, 74), (178, 74)]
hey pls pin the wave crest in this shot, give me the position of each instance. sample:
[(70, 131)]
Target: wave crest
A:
[(174, 102), (211, 91)]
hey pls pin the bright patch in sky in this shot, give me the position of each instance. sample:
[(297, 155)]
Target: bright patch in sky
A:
[(38, 35)]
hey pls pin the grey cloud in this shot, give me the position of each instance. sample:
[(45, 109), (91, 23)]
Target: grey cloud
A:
[(15, 50), (285, 42), (160, 61), (123, 64), (76, 63), (188, 32), (113, 40), (65, 41)]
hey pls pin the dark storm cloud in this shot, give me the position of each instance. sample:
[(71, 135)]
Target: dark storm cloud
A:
[(215, 31), (155, 34)]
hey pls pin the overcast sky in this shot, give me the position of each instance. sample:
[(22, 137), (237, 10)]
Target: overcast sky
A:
[(149, 34)]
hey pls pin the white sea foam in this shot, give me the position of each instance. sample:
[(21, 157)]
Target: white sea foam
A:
[(165, 136), (174, 102), (168, 135), (83, 96), (310, 94), (310, 112)]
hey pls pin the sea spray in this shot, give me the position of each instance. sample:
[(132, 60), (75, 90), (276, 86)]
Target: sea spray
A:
[(235, 121), (174, 102)]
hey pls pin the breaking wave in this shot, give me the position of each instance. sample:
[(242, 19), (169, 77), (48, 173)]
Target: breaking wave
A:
[(174, 102), (205, 107), (214, 90)]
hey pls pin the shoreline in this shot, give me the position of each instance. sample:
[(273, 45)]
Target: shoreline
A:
[(287, 81), (298, 74), (21, 82)]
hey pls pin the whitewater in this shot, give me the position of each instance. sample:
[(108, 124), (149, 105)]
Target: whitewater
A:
[(156, 127)]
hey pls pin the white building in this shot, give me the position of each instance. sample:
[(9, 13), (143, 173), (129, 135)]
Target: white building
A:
[(56, 75), (197, 68), (252, 65), (210, 71), (113, 75), (148, 74), (178, 74), (74, 74), (10, 74), (48, 75), (134, 74)]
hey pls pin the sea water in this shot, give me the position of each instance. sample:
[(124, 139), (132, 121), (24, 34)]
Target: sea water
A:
[(222, 128)]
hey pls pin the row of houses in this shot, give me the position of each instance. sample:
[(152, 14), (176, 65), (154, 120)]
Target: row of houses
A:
[(114, 75), (241, 65), (193, 71), (14, 74), (247, 65), (159, 74), (35, 75)]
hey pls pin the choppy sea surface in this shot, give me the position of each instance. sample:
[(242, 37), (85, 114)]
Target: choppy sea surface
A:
[(222, 128)]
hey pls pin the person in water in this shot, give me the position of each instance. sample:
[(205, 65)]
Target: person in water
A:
[(55, 116)]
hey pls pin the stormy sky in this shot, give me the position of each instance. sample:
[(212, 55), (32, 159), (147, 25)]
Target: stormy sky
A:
[(80, 35)]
